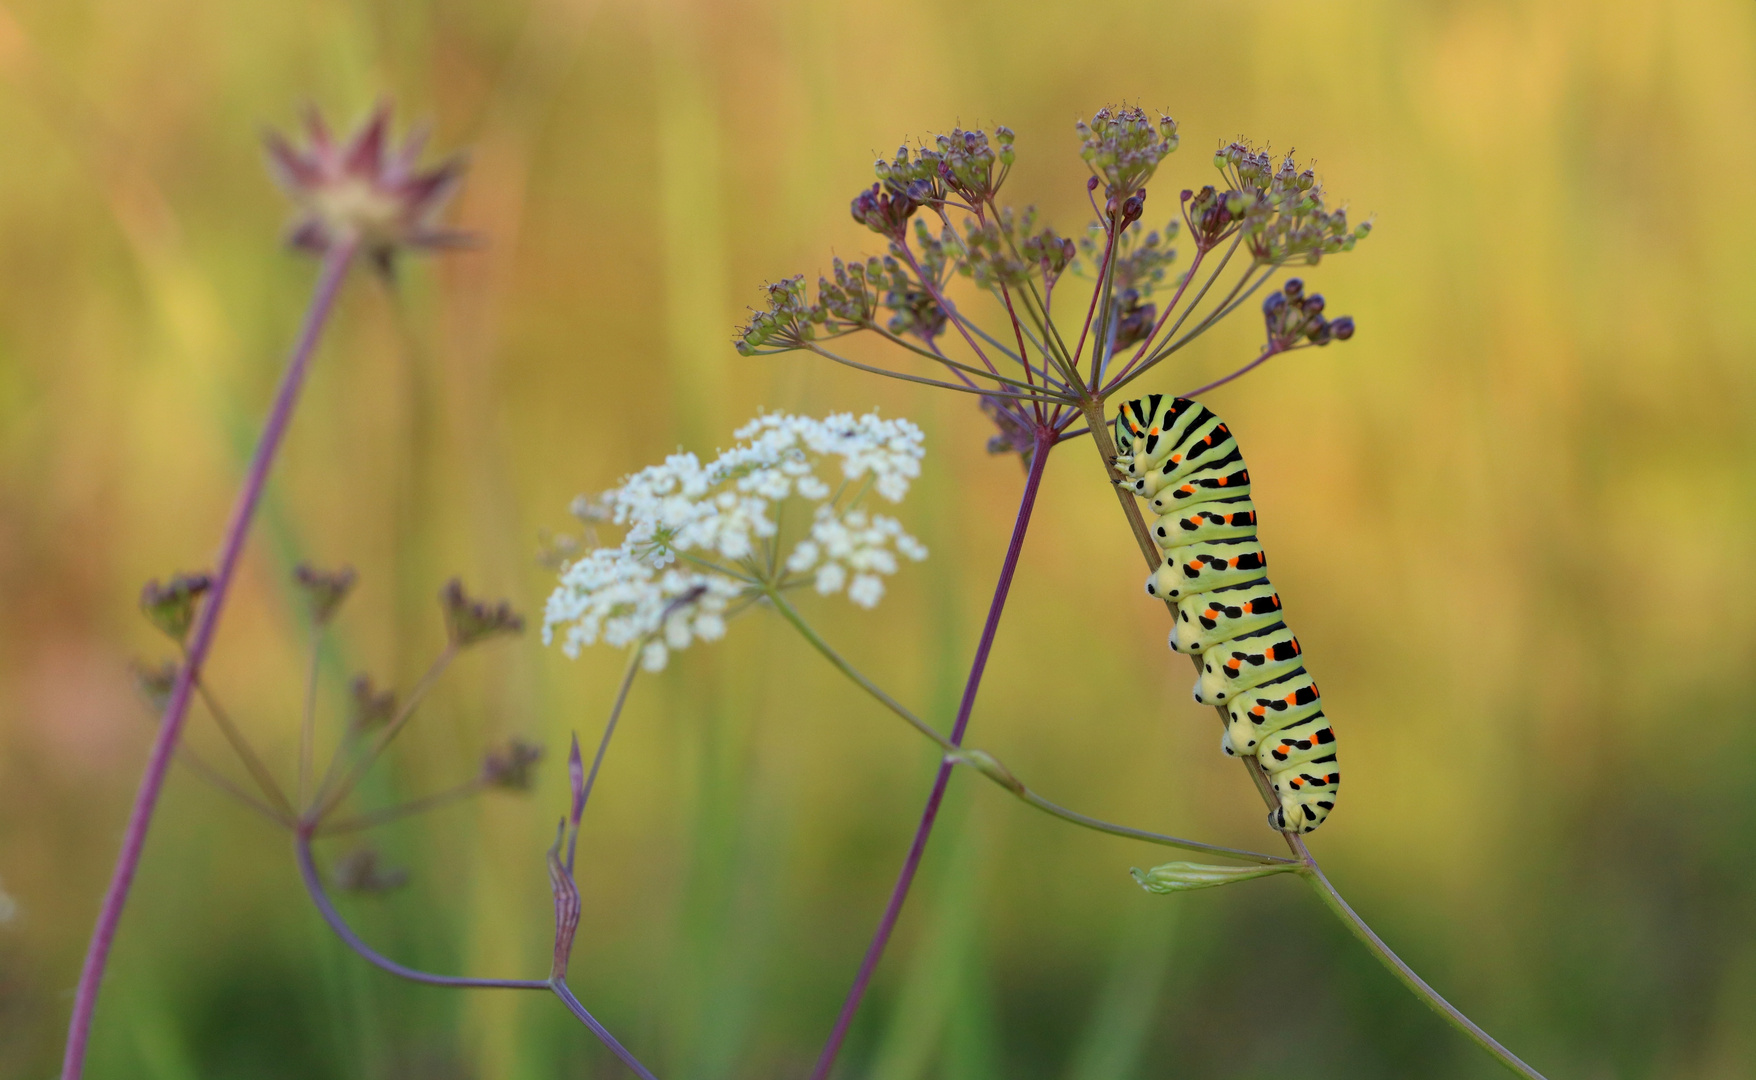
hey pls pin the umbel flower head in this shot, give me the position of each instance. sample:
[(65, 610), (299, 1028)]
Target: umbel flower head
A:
[(704, 539), (364, 189)]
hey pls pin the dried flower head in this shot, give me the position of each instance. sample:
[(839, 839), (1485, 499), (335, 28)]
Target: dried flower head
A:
[(1123, 147), (703, 536), (1293, 315), (171, 606), (360, 871), (324, 589), (469, 621), (364, 189), (1282, 208), (369, 707), (513, 766)]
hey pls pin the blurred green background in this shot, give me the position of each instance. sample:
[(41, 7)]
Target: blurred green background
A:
[(1513, 522)]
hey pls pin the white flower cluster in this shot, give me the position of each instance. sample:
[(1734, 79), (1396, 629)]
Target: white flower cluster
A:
[(686, 519)]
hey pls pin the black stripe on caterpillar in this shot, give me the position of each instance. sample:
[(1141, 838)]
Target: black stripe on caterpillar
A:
[(1181, 457)]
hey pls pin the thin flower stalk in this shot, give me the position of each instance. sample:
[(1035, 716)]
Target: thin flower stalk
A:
[(336, 262), (1296, 844), (1044, 442), (999, 774)]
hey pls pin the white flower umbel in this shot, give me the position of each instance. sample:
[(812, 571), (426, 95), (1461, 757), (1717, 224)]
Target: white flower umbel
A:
[(703, 537)]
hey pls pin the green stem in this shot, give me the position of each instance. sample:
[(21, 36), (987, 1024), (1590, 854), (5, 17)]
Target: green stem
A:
[(1000, 774), (1107, 450)]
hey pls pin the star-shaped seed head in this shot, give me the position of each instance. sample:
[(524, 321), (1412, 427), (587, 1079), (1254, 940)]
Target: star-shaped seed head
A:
[(364, 189)]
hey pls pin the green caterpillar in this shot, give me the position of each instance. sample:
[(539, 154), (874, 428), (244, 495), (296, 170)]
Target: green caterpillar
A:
[(1180, 456)]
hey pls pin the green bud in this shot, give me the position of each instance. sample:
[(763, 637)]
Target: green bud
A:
[(988, 765), (1184, 876)]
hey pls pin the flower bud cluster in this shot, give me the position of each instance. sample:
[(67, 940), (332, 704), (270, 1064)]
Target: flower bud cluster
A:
[(962, 163), (171, 606), (1293, 314), (1140, 259), (887, 212), (786, 322), (1282, 207), (1133, 318), (1123, 147), (468, 621), (511, 767), (662, 586)]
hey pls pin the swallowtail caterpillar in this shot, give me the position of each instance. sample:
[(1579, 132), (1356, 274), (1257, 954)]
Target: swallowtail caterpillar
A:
[(1180, 456)]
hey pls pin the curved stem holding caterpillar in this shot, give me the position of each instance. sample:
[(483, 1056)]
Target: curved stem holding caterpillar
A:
[(1326, 891)]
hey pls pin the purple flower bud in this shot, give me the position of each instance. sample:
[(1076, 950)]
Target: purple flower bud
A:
[(1293, 288), (1342, 328)]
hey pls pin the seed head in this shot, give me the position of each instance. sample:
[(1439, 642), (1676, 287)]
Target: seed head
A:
[(370, 706), (468, 621), (1293, 316), (324, 589), (1123, 147), (513, 766), (171, 606), (364, 189)]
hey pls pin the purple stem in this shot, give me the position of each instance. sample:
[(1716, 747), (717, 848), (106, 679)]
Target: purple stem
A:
[(565, 993), (335, 268), (1215, 384), (319, 897), (1044, 440)]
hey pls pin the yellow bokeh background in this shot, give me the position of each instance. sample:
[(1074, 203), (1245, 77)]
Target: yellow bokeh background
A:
[(1513, 521)]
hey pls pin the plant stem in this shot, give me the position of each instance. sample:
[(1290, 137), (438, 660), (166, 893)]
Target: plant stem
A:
[(565, 993), (327, 800), (1106, 450), (374, 818), (597, 760), (335, 268), (1013, 784), (1044, 442), (1406, 975), (326, 907)]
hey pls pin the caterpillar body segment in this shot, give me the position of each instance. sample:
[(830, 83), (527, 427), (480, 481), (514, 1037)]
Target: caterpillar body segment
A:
[(1263, 710), (1223, 614), (1229, 669), (1201, 568), (1226, 519), (1183, 459)]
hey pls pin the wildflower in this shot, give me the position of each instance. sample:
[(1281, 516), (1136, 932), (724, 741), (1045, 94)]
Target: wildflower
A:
[(702, 537), (171, 606), (365, 190)]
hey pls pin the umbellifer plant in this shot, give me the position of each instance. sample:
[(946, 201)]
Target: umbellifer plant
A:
[(795, 503)]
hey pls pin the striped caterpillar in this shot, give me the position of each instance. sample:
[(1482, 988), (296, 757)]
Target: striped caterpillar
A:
[(1180, 456)]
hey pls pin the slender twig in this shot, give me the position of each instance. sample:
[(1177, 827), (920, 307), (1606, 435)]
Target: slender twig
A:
[(328, 799), (597, 760), (1296, 844), (335, 268), (1406, 974), (374, 818), (326, 907), (1018, 788), (893, 908), (565, 993), (259, 772), (905, 377), (198, 765), (308, 723), (1271, 351)]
